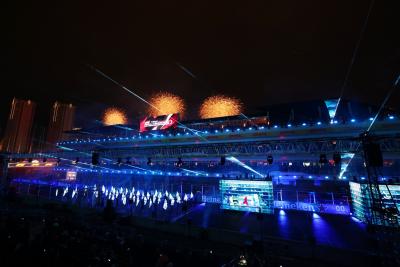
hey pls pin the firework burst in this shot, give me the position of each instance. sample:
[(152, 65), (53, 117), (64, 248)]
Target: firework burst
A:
[(113, 116), (220, 106), (166, 103)]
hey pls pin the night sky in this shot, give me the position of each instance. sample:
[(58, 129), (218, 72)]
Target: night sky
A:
[(263, 52)]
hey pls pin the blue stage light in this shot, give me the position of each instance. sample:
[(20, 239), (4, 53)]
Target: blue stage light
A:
[(282, 212), (353, 120), (304, 124), (326, 177), (238, 129), (216, 131), (250, 128), (355, 219), (310, 177), (371, 119), (362, 178), (275, 126), (289, 125), (319, 123), (391, 117), (262, 127), (315, 216)]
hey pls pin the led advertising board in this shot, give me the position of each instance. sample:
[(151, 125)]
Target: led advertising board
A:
[(247, 195), (159, 123), (331, 105), (362, 202), (70, 176)]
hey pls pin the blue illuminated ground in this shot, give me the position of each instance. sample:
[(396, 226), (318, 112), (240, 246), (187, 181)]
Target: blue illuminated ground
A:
[(330, 230)]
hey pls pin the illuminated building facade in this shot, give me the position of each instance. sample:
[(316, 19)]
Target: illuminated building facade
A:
[(61, 120), (17, 136)]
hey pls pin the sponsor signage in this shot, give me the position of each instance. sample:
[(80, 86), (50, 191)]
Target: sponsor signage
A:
[(159, 123), (245, 195), (343, 209), (70, 176)]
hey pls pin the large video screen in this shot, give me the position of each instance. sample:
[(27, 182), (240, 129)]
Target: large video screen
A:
[(331, 105), (362, 203), (246, 195), (159, 123)]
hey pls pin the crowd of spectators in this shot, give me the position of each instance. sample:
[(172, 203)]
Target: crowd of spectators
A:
[(43, 238)]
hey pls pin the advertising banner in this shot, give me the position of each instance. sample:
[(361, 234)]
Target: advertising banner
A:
[(159, 123), (253, 196)]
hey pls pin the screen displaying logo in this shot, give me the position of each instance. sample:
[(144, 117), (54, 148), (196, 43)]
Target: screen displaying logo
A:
[(70, 176), (159, 123), (245, 195), (331, 105)]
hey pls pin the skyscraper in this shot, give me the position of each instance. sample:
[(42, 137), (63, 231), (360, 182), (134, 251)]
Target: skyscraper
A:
[(17, 137), (61, 120)]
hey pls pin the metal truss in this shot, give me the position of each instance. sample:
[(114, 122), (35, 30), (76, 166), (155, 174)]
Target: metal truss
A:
[(217, 150), (261, 148)]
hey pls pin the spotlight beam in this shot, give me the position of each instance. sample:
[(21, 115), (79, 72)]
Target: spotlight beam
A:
[(396, 83), (238, 162), (87, 154), (188, 72), (138, 96), (148, 103), (247, 118), (355, 51), (120, 85), (344, 168), (195, 172)]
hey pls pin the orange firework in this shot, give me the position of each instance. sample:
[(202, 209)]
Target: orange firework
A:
[(220, 106), (113, 116), (164, 103)]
